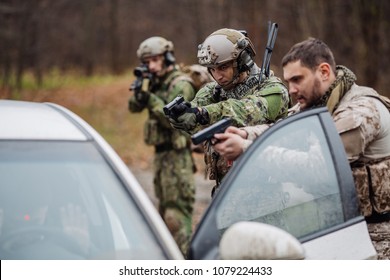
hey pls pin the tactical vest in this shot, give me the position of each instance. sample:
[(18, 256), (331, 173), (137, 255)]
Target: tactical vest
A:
[(155, 133), (372, 178), (216, 166)]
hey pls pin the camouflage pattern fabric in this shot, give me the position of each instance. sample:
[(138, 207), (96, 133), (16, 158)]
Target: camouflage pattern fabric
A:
[(373, 187), (247, 104), (358, 121), (175, 188), (255, 131), (173, 162), (266, 104), (380, 237), (252, 133)]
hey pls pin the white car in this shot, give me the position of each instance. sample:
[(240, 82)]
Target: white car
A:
[(52, 161), (65, 194)]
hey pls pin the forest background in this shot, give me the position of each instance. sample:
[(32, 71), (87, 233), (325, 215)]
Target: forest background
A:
[(80, 53)]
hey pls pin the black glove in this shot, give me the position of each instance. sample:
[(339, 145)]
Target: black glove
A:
[(142, 97), (190, 119)]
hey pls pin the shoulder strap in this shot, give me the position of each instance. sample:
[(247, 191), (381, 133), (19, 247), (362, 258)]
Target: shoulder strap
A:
[(178, 78)]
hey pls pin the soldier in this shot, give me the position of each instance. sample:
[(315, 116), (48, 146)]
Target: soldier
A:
[(236, 93), (173, 163), (362, 119)]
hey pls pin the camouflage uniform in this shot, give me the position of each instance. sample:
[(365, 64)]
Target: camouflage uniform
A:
[(247, 104), (246, 99), (362, 118), (173, 162)]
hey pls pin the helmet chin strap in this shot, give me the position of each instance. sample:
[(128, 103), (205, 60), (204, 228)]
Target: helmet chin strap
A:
[(164, 70), (234, 81)]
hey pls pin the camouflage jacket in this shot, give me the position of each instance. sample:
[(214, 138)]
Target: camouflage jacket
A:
[(363, 121), (252, 133), (158, 130), (247, 104)]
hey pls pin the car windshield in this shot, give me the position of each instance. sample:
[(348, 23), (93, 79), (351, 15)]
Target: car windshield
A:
[(288, 181), (62, 200)]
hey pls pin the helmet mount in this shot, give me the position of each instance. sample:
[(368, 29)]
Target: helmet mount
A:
[(225, 45)]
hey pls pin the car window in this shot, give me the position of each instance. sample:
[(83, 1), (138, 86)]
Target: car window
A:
[(52, 190), (288, 180)]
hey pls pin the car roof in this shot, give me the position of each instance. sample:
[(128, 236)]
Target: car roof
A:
[(24, 120)]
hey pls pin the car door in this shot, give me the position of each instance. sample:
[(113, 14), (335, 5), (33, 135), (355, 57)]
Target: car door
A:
[(294, 177)]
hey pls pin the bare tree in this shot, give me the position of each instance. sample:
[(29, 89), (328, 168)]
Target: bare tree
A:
[(370, 16), (8, 13), (101, 35), (114, 36)]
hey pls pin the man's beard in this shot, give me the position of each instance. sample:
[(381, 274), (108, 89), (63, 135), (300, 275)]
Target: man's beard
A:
[(316, 94)]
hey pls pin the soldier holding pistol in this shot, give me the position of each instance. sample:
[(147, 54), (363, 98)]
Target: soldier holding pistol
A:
[(237, 93)]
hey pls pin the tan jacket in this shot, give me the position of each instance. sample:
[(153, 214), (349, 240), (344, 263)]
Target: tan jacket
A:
[(363, 121)]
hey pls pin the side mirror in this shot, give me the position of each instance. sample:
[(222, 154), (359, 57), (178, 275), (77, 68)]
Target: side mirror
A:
[(257, 241)]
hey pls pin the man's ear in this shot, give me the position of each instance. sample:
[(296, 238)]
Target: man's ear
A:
[(325, 71)]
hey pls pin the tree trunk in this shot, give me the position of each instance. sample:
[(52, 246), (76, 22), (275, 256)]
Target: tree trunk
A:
[(114, 37), (370, 16)]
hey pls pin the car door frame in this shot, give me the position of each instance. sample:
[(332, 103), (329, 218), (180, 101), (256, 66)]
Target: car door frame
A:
[(204, 244)]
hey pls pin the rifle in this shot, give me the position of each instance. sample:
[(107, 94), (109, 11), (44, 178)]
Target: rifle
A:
[(272, 32), (176, 107), (141, 72), (209, 132)]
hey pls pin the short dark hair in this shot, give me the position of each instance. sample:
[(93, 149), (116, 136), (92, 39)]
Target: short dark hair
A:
[(311, 52)]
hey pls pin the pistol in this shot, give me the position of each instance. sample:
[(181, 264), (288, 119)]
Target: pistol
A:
[(209, 132), (176, 107)]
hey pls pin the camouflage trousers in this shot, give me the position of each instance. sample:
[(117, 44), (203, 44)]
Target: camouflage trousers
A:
[(174, 186), (380, 237)]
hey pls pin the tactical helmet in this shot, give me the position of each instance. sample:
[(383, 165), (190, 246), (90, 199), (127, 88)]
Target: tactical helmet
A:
[(154, 46), (226, 45)]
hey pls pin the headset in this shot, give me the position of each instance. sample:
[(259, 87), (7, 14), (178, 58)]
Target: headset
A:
[(245, 61), (169, 58)]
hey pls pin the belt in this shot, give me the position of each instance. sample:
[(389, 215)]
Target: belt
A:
[(163, 147), (378, 218)]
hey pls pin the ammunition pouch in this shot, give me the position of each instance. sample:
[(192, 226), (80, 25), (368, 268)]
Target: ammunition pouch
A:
[(180, 140), (154, 135), (216, 165), (372, 182), (378, 218)]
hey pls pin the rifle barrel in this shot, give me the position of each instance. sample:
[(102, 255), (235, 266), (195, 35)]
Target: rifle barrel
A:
[(272, 33)]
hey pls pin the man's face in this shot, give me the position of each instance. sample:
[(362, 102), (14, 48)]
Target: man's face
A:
[(223, 74), (305, 86), (155, 65)]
